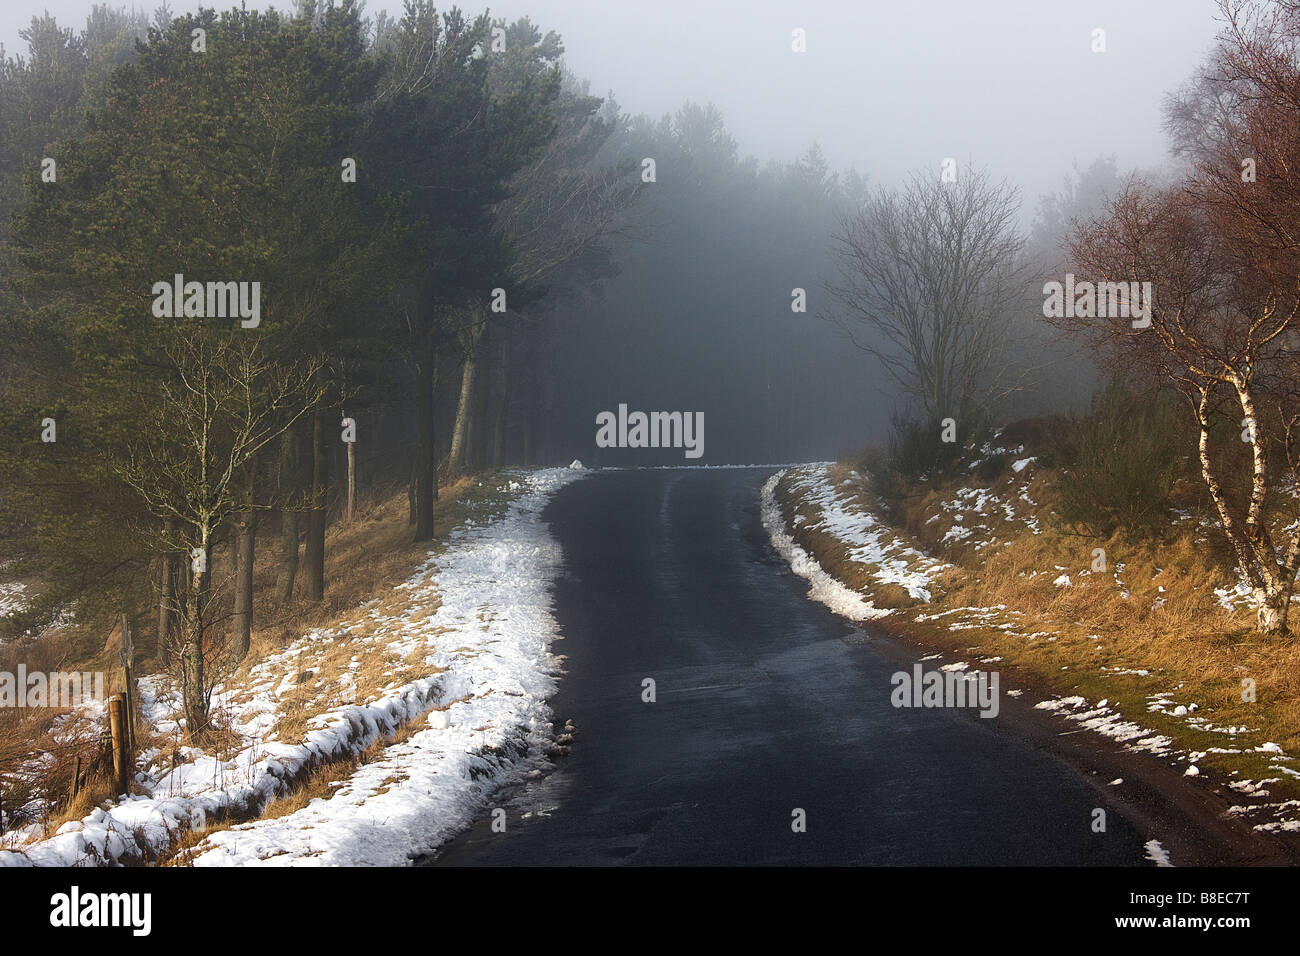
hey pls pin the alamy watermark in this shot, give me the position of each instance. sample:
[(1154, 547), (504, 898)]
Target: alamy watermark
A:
[(208, 300), (62, 689), (74, 909), (1101, 300), (949, 688), (653, 430)]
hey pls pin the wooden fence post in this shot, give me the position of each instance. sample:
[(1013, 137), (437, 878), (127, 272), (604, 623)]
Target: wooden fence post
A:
[(127, 658), (76, 781), (128, 708), (121, 755)]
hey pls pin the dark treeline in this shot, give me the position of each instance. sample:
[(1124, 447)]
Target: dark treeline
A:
[(359, 217)]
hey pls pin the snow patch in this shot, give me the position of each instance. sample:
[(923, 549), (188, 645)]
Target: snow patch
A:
[(823, 587)]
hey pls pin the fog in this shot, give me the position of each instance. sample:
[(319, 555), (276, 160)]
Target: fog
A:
[(697, 316), (884, 87)]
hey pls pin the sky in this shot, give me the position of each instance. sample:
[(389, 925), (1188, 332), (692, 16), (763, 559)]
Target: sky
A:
[(885, 87)]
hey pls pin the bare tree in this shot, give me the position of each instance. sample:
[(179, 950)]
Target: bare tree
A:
[(225, 403), (930, 275)]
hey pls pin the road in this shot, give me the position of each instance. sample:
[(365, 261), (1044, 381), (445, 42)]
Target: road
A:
[(766, 702)]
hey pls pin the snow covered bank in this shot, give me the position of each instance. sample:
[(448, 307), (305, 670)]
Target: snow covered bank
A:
[(868, 540), (822, 587), (486, 651)]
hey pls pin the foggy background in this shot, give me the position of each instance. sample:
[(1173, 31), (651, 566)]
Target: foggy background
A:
[(884, 86), (698, 316)]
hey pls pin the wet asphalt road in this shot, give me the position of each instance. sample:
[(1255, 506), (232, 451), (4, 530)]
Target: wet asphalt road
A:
[(766, 702)]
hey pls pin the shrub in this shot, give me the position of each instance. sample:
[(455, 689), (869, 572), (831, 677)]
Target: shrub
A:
[(916, 449), (1119, 463), (993, 467), (874, 462)]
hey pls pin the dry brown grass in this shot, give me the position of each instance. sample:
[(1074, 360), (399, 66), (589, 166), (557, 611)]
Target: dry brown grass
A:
[(40, 747)]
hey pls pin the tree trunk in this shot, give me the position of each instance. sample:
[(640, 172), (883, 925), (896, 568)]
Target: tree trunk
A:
[(502, 410), (460, 436), (167, 606), (1271, 591), (1274, 605), (313, 552), (241, 630), (288, 516), (352, 478), (410, 489), (288, 553), (426, 461), (193, 685)]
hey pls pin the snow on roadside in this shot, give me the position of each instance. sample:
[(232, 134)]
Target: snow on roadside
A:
[(823, 587), (1108, 722), (491, 634), (973, 508), (870, 541), (1157, 854)]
